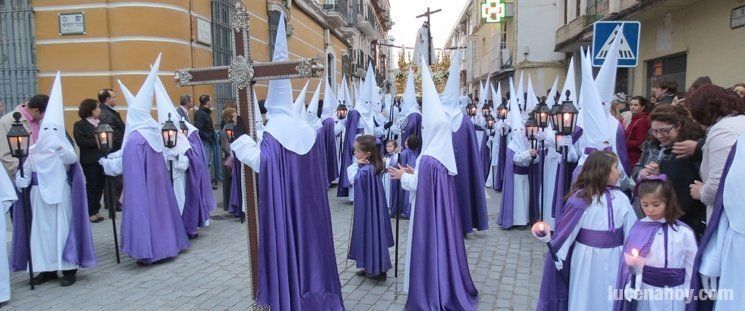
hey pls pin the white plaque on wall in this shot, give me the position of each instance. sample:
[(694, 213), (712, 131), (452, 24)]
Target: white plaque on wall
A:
[(71, 23), (204, 31)]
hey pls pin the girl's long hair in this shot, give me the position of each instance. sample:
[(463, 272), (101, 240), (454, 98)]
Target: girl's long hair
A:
[(593, 179), (666, 193), (366, 143)]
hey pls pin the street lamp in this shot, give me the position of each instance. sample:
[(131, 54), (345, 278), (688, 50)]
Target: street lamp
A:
[(542, 114), (490, 121), (502, 110), (471, 109), (18, 141), (531, 129), (568, 119), (341, 111), (564, 120), (486, 110), (104, 134), (170, 138)]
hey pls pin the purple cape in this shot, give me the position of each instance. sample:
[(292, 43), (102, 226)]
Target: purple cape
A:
[(199, 199), (347, 152), (236, 197), (297, 263), (440, 279), (621, 151), (711, 228), (152, 228), (329, 139), (469, 182), (371, 232), (79, 245), (399, 196), (534, 176), (561, 182), (413, 127), (485, 155), (498, 177), (507, 204)]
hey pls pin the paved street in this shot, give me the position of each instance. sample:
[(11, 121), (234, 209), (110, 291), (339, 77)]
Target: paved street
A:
[(505, 265)]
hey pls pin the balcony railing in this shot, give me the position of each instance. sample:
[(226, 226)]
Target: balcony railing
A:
[(596, 9), (338, 8)]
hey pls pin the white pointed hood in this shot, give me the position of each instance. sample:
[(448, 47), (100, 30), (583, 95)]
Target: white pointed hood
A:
[(606, 78), (166, 108), (329, 102), (138, 111), (364, 103), (496, 97), (311, 115), (595, 127), (51, 171), (450, 97), (409, 104), (550, 102), (437, 138), (257, 114), (519, 93), (532, 100), (518, 141), (299, 105), (283, 124)]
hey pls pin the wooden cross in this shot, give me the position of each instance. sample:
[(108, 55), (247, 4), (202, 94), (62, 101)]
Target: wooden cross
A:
[(427, 14), (242, 73)]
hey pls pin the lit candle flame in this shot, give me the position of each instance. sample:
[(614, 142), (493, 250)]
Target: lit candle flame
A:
[(541, 227), (634, 252)]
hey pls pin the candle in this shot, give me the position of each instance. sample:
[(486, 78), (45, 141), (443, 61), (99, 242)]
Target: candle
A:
[(634, 261)]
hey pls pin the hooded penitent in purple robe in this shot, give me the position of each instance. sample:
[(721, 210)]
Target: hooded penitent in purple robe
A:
[(440, 279), (371, 230), (199, 199), (501, 160), (236, 199), (79, 245), (347, 152), (469, 182), (152, 228), (399, 196), (484, 153), (413, 127), (329, 139), (297, 263)]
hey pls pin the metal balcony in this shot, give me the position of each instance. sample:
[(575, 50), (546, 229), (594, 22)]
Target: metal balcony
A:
[(337, 12)]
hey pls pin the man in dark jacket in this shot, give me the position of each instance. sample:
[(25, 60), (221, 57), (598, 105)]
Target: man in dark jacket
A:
[(203, 122), (107, 102)]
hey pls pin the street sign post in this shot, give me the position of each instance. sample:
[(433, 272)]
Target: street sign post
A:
[(604, 32)]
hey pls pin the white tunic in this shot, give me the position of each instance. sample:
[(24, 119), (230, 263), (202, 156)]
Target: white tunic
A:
[(7, 197), (521, 190), (681, 251), (387, 178), (550, 166), (594, 270), (180, 166), (50, 225), (409, 183), (723, 258)]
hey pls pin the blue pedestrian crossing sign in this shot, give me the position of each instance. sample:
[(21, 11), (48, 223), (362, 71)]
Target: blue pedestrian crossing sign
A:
[(604, 32)]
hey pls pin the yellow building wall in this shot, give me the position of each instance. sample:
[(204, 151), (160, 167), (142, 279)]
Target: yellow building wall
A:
[(703, 32)]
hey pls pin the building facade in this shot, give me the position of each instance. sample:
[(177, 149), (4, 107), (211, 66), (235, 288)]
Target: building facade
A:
[(680, 39), (96, 43)]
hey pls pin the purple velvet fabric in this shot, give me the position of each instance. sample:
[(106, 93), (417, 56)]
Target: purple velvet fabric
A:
[(152, 228), (399, 196), (347, 152), (329, 139), (711, 228), (297, 263), (469, 183), (413, 127), (621, 151), (371, 230), (199, 201), (507, 203), (498, 177), (485, 155), (561, 182), (79, 244), (440, 279), (236, 198)]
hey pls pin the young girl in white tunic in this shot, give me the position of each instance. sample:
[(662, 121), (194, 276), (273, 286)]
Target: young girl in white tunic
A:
[(668, 246), (390, 159)]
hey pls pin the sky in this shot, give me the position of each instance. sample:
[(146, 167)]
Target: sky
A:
[(406, 25)]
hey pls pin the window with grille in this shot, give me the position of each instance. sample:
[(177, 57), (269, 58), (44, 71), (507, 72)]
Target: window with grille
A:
[(17, 53), (673, 66), (222, 46)]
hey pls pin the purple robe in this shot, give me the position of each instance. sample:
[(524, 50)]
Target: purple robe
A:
[(371, 232), (621, 151), (152, 228), (236, 197), (469, 182), (561, 179), (507, 203), (297, 262), (440, 279), (329, 139), (199, 200), (79, 244), (534, 203), (498, 177), (711, 228), (399, 196), (413, 127), (485, 154), (347, 152)]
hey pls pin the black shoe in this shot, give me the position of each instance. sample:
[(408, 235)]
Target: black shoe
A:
[(44, 277), (379, 277), (68, 279), (193, 236), (361, 273)]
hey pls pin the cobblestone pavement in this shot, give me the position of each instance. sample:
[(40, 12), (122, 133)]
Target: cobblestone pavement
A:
[(506, 267)]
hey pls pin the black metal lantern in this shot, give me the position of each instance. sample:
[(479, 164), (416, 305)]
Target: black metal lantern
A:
[(555, 115), (531, 128), (18, 138), (341, 111), (568, 119), (104, 134), (557, 141), (490, 121), (182, 126), (471, 109), (486, 110), (230, 131), (502, 110), (542, 114), (170, 133)]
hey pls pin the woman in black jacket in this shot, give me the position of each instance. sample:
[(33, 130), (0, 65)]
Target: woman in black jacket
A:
[(671, 124), (84, 132)]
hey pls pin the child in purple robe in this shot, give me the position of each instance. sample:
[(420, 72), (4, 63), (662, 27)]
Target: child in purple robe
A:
[(588, 240), (390, 186), (371, 231), (667, 245)]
